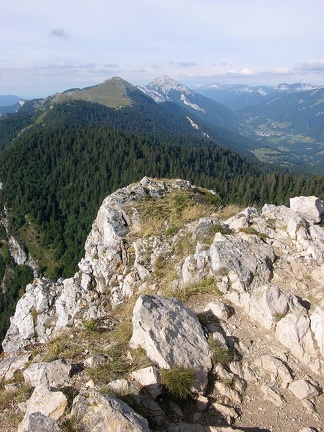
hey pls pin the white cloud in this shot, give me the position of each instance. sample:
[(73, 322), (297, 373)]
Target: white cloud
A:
[(311, 66), (282, 70)]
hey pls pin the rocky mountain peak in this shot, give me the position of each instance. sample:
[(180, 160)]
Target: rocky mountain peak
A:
[(166, 84), (160, 88), (196, 315)]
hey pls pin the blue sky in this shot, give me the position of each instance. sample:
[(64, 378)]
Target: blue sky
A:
[(49, 46)]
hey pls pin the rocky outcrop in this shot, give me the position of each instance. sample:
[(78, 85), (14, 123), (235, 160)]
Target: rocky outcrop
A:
[(255, 280), (54, 374), (148, 378)]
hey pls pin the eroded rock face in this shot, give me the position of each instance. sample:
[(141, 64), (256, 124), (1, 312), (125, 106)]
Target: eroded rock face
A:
[(294, 332), (309, 208), (268, 270), (97, 413), (171, 335), (247, 263), (276, 367)]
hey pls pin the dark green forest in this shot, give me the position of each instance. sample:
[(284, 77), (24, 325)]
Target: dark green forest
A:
[(56, 173), (66, 170)]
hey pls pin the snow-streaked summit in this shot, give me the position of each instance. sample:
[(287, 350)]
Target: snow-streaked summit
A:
[(166, 89), (165, 83), (161, 86)]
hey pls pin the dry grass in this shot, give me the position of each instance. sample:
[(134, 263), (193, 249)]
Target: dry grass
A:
[(229, 211), (10, 415), (168, 213), (65, 346), (205, 286)]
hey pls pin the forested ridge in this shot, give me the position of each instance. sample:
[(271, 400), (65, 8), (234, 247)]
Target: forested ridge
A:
[(56, 173)]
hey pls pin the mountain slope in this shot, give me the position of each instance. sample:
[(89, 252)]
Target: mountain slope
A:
[(112, 93), (164, 89)]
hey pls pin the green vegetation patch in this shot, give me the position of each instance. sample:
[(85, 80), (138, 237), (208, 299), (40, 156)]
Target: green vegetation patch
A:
[(178, 381), (44, 255)]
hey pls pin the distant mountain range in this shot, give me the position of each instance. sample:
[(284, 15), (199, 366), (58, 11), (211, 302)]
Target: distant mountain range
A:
[(282, 124), (236, 97)]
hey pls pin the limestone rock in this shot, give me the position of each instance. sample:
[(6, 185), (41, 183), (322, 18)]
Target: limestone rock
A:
[(272, 394), (242, 219), (310, 208), (223, 373), (303, 389), (310, 407), (171, 335), (47, 402), (294, 332), (37, 422), (204, 228), (17, 252), (245, 261), (202, 403), (317, 325), (265, 303), (55, 374), (11, 364), (276, 367), (94, 361), (121, 386), (219, 309), (148, 378), (226, 411), (96, 412), (196, 266), (230, 394)]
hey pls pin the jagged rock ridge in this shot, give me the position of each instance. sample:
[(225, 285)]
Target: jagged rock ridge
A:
[(255, 281)]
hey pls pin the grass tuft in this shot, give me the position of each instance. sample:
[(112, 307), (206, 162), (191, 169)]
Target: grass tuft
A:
[(178, 381), (220, 354)]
